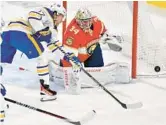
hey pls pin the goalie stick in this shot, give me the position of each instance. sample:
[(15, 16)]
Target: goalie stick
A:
[(83, 120), (126, 106)]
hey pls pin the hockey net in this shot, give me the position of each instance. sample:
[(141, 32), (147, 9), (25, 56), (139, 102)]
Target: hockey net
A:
[(148, 25), (142, 26)]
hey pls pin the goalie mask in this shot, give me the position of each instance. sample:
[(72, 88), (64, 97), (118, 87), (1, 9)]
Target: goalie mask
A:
[(84, 18)]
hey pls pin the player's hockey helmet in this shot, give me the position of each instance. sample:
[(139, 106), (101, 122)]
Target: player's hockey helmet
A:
[(84, 18), (58, 9)]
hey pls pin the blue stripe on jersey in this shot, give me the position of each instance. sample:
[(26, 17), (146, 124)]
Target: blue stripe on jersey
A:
[(18, 22), (42, 66), (2, 111), (35, 15), (36, 12), (54, 50), (2, 120), (43, 74), (34, 18), (50, 12)]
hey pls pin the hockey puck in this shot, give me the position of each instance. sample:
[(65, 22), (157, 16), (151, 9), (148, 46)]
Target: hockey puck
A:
[(157, 68)]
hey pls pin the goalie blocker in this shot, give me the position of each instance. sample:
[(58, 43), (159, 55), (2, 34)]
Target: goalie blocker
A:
[(112, 73)]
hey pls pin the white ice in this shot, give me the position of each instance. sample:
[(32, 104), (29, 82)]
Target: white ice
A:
[(23, 86)]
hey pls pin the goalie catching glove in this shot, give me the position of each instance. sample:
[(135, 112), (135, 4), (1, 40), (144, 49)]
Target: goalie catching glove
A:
[(113, 41)]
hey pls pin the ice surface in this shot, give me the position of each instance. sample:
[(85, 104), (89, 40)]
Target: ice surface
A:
[(23, 86)]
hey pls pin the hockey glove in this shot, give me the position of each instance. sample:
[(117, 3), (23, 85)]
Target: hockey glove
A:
[(119, 38), (113, 41), (3, 90), (76, 64), (43, 35)]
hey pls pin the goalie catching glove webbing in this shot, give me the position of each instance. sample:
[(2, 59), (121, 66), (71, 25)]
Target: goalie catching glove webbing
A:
[(113, 41)]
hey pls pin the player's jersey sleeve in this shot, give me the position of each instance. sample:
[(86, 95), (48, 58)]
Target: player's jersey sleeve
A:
[(40, 19), (99, 26), (35, 19)]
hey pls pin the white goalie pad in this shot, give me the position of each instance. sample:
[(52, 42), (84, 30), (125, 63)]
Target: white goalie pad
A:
[(65, 77), (71, 81), (112, 73)]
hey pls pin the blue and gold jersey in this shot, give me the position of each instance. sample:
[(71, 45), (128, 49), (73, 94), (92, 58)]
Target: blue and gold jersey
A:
[(19, 24), (36, 20)]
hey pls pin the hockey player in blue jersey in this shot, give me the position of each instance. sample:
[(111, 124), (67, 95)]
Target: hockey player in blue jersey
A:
[(27, 36), (3, 105)]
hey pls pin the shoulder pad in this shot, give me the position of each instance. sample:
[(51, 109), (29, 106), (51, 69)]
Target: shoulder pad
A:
[(35, 15)]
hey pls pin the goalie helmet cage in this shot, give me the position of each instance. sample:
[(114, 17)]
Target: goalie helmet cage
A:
[(140, 24)]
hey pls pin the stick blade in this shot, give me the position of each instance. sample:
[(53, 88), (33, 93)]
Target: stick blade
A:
[(89, 116), (75, 123), (134, 105)]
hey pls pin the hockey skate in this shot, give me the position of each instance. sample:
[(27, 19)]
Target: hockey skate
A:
[(46, 93)]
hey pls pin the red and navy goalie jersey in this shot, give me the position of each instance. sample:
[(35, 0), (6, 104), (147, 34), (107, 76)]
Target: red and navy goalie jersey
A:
[(77, 40)]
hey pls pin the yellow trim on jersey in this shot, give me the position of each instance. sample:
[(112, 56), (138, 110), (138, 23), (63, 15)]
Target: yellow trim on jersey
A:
[(59, 43), (43, 70), (21, 20), (35, 15), (160, 4), (20, 25), (35, 44), (45, 33), (2, 115), (52, 47)]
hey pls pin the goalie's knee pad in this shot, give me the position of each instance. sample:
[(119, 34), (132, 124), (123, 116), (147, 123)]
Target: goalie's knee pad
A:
[(122, 73)]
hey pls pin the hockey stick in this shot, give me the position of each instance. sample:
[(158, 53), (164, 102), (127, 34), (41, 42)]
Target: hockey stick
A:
[(24, 69), (84, 119), (126, 106)]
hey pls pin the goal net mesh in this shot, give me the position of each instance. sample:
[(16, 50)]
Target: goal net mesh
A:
[(118, 19)]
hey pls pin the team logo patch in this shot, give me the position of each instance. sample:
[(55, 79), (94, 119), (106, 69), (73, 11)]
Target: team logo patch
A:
[(69, 41), (91, 48)]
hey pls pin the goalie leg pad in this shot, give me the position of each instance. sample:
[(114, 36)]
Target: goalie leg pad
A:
[(122, 73), (112, 73), (72, 81)]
